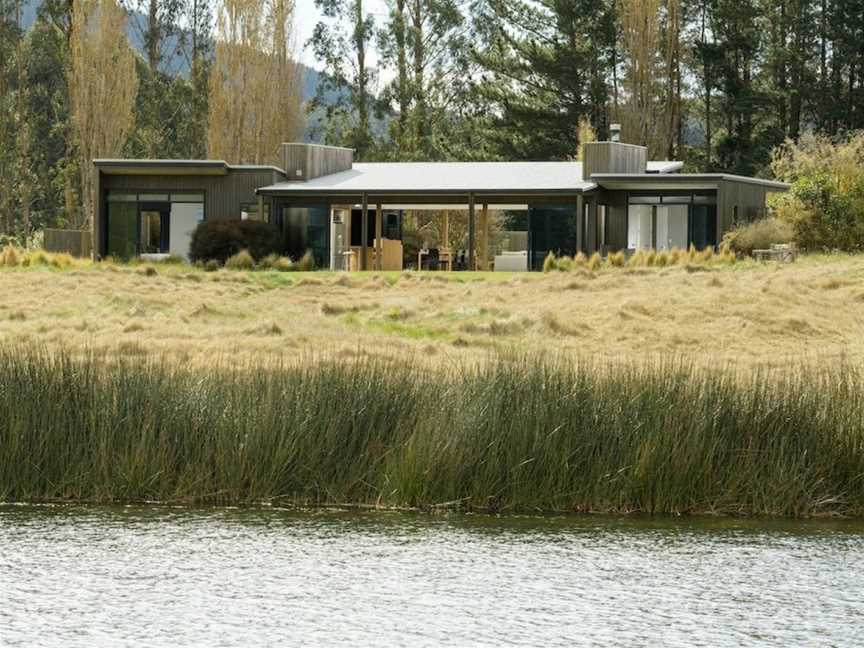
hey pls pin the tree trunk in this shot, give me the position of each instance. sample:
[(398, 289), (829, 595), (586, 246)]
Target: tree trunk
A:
[(420, 122), (402, 79)]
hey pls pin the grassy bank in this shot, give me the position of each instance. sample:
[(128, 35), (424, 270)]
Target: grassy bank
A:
[(746, 313), (506, 436)]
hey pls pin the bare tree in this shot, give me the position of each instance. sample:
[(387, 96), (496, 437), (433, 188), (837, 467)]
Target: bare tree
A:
[(102, 89)]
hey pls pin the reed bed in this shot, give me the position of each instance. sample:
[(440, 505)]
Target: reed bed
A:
[(511, 435)]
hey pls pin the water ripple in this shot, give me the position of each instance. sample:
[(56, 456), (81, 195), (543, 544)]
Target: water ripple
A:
[(158, 577)]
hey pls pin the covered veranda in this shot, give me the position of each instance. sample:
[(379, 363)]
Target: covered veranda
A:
[(553, 224)]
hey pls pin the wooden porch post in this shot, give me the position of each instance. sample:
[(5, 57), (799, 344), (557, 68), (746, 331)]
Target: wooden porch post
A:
[(591, 247), (379, 244), (580, 223), (471, 231), (484, 237), (364, 234)]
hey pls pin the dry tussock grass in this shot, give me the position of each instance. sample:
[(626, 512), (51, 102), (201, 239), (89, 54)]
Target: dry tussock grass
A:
[(745, 313)]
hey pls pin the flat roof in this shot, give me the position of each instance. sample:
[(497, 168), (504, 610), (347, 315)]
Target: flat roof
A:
[(623, 180), (453, 178), (177, 167)]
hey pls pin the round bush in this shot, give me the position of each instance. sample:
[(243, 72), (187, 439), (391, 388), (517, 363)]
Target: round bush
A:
[(220, 240)]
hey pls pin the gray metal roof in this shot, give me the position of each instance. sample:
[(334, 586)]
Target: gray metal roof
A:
[(454, 177)]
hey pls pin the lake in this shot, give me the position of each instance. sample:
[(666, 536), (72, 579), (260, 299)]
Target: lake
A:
[(160, 576)]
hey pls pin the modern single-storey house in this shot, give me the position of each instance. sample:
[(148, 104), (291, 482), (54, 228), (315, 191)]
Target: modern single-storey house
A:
[(350, 214)]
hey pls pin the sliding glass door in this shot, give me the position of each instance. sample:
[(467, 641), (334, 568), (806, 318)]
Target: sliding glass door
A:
[(665, 221), (151, 223)]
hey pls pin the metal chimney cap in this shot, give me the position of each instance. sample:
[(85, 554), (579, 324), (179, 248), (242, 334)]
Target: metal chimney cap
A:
[(615, 132)]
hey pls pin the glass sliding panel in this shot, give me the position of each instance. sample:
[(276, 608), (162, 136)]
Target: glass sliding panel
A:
[(639, 227), (122, 223), (552, 228), (184, 219), (703, 226), (153, 197), (671, 227), (645, 200), (307, 229)]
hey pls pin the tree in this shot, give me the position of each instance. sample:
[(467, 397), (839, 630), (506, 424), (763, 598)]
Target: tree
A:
[(543, 67), (651, 113), (10, 35), (102, 88), (255, 84), (153, 23), (393, 48), (341, 43)]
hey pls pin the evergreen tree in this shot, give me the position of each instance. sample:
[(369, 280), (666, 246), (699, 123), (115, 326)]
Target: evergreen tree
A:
[(545, 65), (346, 87)]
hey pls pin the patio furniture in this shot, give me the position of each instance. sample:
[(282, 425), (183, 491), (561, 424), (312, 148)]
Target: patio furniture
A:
[(780, 252)]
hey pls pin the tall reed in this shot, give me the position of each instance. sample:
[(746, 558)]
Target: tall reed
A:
[(512, 435)]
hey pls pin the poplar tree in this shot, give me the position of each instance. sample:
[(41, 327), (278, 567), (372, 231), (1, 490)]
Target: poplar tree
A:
[(102, 89), (255, 84)]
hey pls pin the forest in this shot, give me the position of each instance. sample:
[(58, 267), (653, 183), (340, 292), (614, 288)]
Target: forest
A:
[(719, 84)]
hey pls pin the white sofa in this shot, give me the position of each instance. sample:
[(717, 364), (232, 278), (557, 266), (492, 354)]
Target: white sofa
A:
[(512, 261)]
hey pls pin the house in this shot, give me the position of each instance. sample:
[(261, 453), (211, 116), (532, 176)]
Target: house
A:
[(350, 214)]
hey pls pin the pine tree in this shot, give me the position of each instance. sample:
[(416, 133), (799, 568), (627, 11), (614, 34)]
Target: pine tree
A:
[(545, 66)]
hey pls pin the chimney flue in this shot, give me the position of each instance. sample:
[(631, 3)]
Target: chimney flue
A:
[(615, 132)]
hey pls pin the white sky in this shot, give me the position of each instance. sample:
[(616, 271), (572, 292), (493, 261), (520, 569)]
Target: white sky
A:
[(308, 16)]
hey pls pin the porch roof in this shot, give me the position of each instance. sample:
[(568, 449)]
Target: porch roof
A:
[(452, 178)]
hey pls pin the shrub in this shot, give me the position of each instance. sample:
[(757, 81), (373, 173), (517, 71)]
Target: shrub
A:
[(212, 266), (304, 263), (595, 262), (825, 205), (10, 256), (550, 263), (220, 240), (240, 261), (617, 259), (760, 234)]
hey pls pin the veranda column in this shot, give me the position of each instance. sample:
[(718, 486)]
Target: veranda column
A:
[(364, 234), (484, 237), (591, 246), (471, 231), (379, 244), (580, 223)]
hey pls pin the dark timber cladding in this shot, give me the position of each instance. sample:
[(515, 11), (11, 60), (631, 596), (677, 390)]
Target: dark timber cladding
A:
[(613, 157), (225, 187), (304, 162)]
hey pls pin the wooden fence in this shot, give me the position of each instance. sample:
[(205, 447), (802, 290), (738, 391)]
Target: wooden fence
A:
[(76, 242)]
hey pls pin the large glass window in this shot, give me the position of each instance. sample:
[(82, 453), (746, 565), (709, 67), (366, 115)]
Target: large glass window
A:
[(307, 228), (640, 227), (703, 226), (121, 226), (551, 228), (671, 227)]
